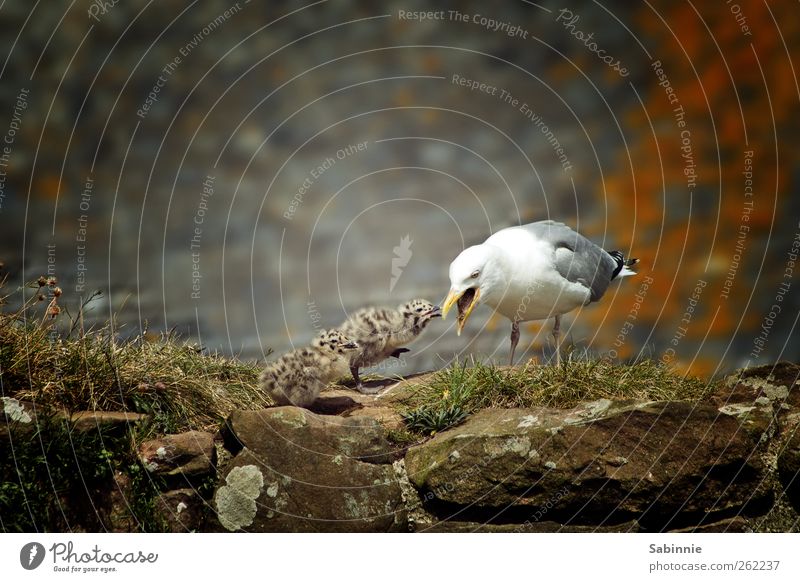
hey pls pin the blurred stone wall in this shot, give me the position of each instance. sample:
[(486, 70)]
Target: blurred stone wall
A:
[(246, 172)]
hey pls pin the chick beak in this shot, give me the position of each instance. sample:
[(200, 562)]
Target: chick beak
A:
[(435, 312), (351, 345)]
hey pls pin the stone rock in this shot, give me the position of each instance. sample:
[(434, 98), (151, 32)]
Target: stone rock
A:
[(789, 467), (665, 464), (452, 526), (16, 416), (89, 420), (181, 510), (360, 438), (296, 471), (21, 417), (189, 453), (773, 386), (736, 524)]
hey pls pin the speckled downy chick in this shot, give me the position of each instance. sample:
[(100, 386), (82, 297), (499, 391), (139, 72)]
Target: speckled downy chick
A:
[(382, 332), (297, 377)]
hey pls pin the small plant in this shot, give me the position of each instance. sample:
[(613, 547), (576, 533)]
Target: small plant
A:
[(431, 419)]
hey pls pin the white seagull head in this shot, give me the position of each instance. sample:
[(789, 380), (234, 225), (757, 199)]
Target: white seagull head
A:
[(475, 275)]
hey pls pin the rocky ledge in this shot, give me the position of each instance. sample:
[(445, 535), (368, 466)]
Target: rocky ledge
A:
[(729, 463)]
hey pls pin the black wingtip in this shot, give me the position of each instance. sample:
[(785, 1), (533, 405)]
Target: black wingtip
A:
[(619, 258)]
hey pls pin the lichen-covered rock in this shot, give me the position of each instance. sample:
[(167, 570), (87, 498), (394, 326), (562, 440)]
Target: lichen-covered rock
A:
[(789, 466), (360, 438), (661, 463), (180, 510), (89, 420), (16, 416), (189, 453), (297, 471)]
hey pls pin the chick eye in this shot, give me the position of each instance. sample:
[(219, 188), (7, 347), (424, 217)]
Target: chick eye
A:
[(475, 274)]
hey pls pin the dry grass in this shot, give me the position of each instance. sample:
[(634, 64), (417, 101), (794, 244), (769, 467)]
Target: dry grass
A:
[(47, 359)]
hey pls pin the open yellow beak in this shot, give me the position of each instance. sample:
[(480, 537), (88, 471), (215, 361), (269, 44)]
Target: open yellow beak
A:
[(452, 299)]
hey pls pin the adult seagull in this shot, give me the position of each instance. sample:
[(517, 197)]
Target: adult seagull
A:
[(534, 271)]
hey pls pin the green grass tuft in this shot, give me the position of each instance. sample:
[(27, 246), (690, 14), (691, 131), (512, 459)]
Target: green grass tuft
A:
[(466, 387)]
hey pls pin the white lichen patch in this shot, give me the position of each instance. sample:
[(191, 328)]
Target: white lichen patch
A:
[(736, 409), (588, 411), (236, 500), (293, 417), (181, 506), (776, 392), (528, 421), (337, 460), (161, 452), (550, 465), (516, 444), (454, 456), (272, 490), (357, 509), (617, 461), (15, 411)]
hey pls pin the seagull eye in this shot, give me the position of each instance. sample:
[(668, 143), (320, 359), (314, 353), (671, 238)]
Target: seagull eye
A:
[(475, 274)]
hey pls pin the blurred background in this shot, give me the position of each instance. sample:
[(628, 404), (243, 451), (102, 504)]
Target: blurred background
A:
[(247, 173)]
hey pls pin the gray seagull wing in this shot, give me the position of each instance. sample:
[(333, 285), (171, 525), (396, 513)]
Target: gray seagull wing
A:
[(576, 258)]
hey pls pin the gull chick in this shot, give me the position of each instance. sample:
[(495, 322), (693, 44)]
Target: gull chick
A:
[(382, 332), (535, 271), (298, 376)]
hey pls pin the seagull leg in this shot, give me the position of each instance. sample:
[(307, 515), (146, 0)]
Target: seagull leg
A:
[(514, 340), (557, 338)]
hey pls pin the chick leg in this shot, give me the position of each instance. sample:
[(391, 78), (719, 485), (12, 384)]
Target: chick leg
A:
[(359, 386), (514, 340), (557, 338), (354, 372)]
